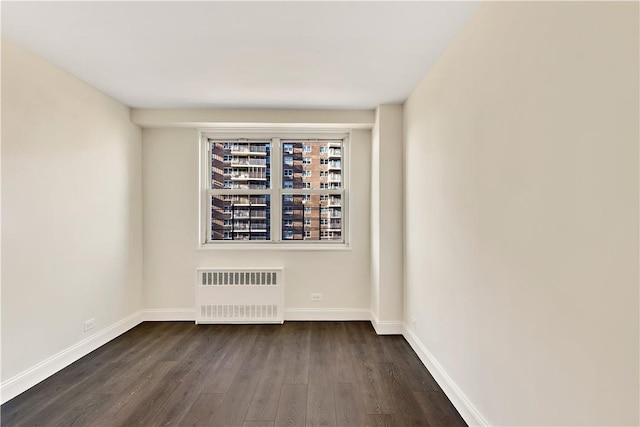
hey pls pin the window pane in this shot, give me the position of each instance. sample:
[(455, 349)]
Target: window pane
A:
[(312, 164), (312, 217), (240, 217), (240, 164)]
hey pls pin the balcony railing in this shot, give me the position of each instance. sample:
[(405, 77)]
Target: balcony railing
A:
[(244, 226), (248, 162), (239, 186), (335, 152), (246, 201), (244, 149), (248, 175)]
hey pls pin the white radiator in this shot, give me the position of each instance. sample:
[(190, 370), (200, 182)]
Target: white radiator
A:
[(240, 295)]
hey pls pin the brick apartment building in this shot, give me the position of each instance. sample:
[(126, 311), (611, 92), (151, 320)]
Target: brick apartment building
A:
[(238, 165)]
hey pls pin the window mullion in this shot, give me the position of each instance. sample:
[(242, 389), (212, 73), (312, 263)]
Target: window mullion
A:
[(276, 188)]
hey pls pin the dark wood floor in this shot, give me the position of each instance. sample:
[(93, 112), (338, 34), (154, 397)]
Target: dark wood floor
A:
[(296, 374)]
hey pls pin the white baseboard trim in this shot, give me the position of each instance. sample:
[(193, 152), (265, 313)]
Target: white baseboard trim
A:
[(453, 392), (326, 314), (169, 314), (386, 327), (41, 371)]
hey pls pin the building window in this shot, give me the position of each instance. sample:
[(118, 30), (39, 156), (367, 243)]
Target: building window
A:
[(244, 198)]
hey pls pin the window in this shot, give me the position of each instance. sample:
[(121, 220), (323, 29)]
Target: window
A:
[(256, 192)]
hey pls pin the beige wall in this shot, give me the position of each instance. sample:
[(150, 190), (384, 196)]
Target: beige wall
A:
[(386, 219), (522, 213), (71, 211), (170, 179)]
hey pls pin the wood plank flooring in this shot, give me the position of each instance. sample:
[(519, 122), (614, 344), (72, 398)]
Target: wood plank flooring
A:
[(297, 374)]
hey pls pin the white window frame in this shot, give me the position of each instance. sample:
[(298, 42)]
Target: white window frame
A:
[(275, 192)]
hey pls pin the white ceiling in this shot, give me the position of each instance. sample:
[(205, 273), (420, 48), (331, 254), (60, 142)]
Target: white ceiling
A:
[(159, 54)]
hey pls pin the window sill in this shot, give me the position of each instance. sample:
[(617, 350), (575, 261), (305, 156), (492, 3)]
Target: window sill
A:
[(272, 246)]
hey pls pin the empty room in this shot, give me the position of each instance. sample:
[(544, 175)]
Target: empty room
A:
[(320, 213)]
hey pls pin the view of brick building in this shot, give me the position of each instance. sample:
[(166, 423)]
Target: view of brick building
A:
[(306, 165)]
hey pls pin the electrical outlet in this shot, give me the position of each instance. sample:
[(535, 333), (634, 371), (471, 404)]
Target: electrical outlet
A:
[(87, 325), (316, 297), (414, 323)]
